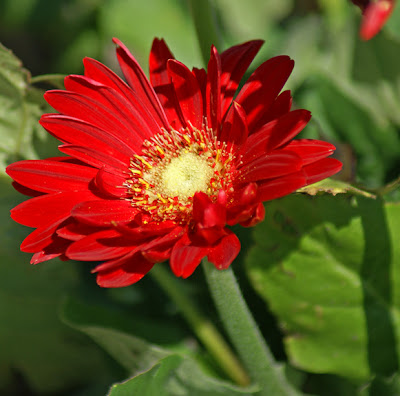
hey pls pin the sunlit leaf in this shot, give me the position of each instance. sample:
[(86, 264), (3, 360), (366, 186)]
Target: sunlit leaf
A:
[(329, 268)]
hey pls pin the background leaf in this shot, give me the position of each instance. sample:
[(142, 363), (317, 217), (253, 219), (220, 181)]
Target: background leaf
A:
[(329, 268)]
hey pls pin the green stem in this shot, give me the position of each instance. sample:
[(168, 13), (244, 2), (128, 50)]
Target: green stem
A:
[(202, 327), (205, 22), (244, 333), (395, 184), (55, 79)]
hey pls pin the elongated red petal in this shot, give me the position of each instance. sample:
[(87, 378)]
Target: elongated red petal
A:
[(213, 91), (263, 86), (234, 130), (310, 150), (99, 246), (51, 176), (234, 63), (129, 270), (138, 81), (223, 254), (281, 186), (185, 257), (104, 212), (321, 169), (278, 163), (188, 93)]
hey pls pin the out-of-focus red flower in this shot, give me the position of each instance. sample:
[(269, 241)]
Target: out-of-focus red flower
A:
[(375, 15), (157, 170)]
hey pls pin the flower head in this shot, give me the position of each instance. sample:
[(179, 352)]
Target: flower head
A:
[(157, 170), (375, 15)]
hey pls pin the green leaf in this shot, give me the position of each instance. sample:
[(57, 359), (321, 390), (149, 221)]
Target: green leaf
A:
[(176, 375), (333, 187), (162, 370), (20, 108), (48, 355), (329, 269)]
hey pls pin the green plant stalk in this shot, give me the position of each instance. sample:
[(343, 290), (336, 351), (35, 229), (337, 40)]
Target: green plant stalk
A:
[(205, 22), (54, 79), (244, 333), (202, 327)]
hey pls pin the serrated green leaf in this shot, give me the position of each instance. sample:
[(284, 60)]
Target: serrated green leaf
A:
[(20, 109), (176, 375), (329, 268), (333, 187), (161, 371), (48, 355)]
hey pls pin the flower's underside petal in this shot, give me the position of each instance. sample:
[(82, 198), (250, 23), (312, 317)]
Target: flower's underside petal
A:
[(72, 230), (213, 91), (310, 150), (51, 176), (281, 186), (275, 134), (40, 238), (263, 86), (49, 208), (275, 164), (130, 269), (187, 92), (138, 81), (26, 190), (321, 169), (234, 63), (234, 130), (104, 212), (102, 245), (74, 131), (49, 252), (111, 183), (186, 257), (226, 250)]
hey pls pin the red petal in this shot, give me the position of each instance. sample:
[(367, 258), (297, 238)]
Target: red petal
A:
[(51, 176), (130, 270), (281, 186), (256, 217), (375, 16), (310, 150), (275, 134), (161, 82), (185, 257), (276, 163), (41, 237), (111, 183), (102, 245), (223, 254), (234, 130), (104, 212), (73, 231), (188, 93), (263, 86), (321, 169), (46, 209), (234, 63), (138, 81), (213, 91), (74, 131)]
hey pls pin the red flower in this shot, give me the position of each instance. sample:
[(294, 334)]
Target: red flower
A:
[(375, 15), (158, 170)]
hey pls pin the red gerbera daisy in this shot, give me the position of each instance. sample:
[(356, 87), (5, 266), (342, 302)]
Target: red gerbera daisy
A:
[(157, 170)]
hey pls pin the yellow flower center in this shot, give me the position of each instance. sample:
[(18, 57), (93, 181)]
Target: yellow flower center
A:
[(173, 166)]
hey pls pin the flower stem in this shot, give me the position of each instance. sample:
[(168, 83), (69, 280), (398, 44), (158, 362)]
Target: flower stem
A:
[(202, 327), (54, 79), (244, 333), (205, 22), (395, 184)]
